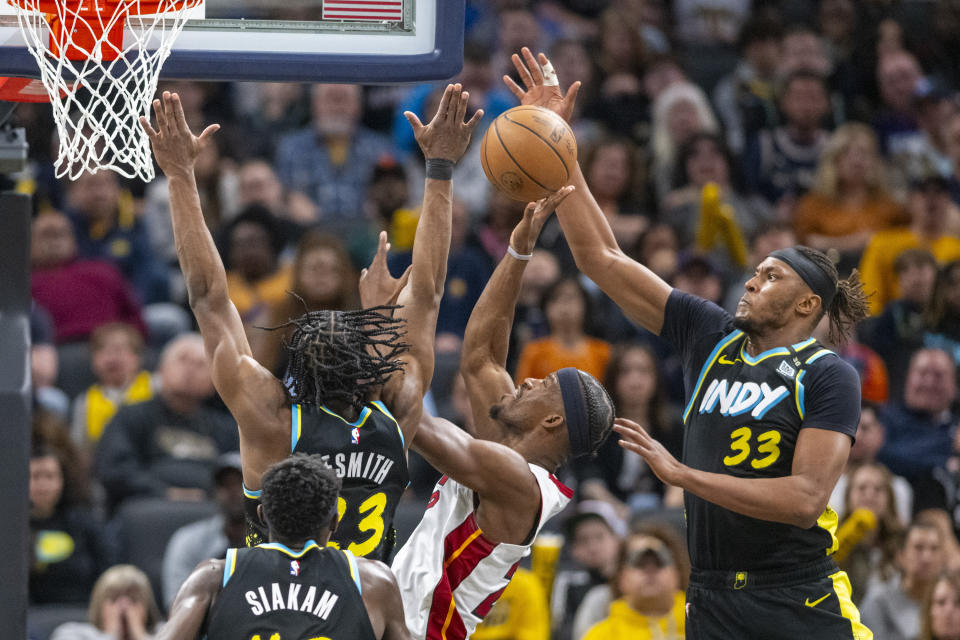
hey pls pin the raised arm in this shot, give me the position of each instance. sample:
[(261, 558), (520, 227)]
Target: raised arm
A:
[(443, 142), (640, 293), (487, 337), (192, 603), (497, 473), (253, 395)]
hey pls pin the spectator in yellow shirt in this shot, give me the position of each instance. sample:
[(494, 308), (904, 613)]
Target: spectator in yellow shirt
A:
[(520, 613), (256, 278), (929, 204), (116, 352), (648, 589)]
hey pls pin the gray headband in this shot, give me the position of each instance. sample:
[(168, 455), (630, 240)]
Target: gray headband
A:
[(575, 408), (816, 278)]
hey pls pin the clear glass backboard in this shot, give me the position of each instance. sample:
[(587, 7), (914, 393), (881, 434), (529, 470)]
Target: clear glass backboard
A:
[(363, 41)]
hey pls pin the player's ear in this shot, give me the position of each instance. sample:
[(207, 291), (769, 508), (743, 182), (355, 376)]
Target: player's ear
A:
[(260, 517), (334, 521), (809, 304), (552, 422)]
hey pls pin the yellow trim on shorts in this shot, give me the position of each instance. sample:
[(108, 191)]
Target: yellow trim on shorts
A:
[(841, 587)]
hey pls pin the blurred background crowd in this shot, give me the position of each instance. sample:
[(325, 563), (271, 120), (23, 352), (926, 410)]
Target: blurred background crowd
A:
[(711, 132)]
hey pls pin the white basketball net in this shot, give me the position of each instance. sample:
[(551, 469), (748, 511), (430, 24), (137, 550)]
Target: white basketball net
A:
[(98, 99)]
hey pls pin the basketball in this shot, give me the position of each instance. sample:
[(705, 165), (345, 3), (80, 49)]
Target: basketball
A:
[(528, 152)]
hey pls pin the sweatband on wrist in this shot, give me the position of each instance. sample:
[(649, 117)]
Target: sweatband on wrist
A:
[(525, 257), (811, 273), (439, 169)]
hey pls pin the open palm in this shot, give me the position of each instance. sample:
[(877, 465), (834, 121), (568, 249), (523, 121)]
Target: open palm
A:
[(541, 89)]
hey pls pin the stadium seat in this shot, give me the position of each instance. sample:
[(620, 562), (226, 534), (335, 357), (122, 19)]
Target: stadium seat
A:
[(672, 517), (43, 619), (445, 370), (75, 374), (146, 525), (706, 65)]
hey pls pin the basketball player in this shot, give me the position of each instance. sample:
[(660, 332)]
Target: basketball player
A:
[(295, 586), (356, 379), (499, 488), (770, 418)]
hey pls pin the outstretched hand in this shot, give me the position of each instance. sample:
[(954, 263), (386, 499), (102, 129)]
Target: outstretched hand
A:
[(446, 136), (542, 86), (174, 145), (377, 286), (635, 438), (525, 234)]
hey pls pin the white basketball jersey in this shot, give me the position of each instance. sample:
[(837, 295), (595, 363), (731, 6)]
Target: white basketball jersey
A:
[(449, 574)]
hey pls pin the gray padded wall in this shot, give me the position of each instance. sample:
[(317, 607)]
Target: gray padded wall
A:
[(14, 409)]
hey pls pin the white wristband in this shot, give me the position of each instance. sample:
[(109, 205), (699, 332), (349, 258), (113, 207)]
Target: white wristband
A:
[(525, 257)]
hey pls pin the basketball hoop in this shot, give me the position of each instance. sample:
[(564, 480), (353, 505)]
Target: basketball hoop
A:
[(98, 85), (22, 90)]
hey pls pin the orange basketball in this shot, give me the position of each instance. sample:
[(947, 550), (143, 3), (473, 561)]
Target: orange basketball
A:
[(528, 152)]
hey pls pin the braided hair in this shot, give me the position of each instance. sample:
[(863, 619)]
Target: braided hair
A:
[(849, 306), (342, 356), (600, 410)]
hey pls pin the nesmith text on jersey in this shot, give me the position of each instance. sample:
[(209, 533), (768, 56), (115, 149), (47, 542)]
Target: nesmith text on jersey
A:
[(360, 464)]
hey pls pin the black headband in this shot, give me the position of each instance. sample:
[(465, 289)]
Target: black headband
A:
[(575, 408), (816, 278)]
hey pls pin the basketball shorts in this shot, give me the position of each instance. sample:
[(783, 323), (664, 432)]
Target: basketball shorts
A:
[(810, 601)]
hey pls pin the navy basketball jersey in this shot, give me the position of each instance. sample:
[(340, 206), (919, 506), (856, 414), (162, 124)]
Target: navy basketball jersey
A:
[(742, 418), (272, 592), (368, 457)]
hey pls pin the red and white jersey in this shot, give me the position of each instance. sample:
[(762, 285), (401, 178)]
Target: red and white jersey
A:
[(449, 574)]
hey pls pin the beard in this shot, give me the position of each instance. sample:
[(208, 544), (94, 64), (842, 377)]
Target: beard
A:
[(498, 414), (746, 324), (755, 324)]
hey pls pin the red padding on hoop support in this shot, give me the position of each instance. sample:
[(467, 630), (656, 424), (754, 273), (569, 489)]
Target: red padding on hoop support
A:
[(22, 90), (78, 39)]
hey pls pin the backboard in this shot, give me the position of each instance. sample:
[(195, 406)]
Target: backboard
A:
[(362, 41)]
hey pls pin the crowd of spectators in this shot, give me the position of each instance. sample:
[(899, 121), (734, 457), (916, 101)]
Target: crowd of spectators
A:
[(711, 133)]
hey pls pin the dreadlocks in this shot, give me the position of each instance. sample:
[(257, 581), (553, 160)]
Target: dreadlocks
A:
[(850, 303), (342, 356)]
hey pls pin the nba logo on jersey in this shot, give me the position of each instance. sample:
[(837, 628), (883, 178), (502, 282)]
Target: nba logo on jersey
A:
[(355, 436), (294, 568)]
